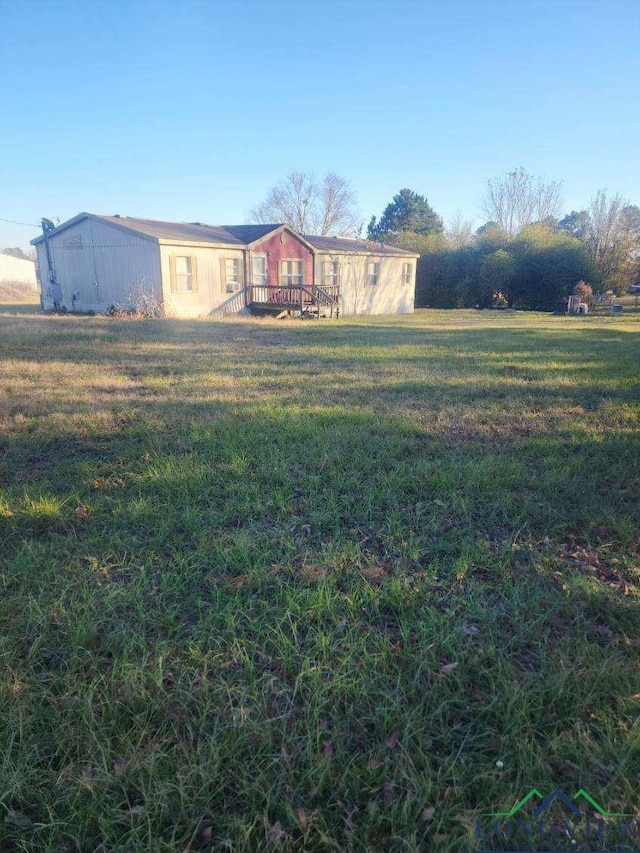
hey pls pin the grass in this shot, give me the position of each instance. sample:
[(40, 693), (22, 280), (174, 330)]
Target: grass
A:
[(314, 586), (18, 299)]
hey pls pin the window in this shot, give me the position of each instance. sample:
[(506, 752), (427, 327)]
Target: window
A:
[(183, 274), (291, 273), (231, 274), (406, 273), (259, 272), (330, 273), (373, 269)]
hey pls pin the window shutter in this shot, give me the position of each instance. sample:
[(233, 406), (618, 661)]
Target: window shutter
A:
[(223, 275), (194, 274), (281, 273), (172, 274)]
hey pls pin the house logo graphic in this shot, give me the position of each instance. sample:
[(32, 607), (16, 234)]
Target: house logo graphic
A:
[(556, 823)]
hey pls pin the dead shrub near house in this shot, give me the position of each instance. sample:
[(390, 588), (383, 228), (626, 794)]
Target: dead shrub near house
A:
[(139, 304)]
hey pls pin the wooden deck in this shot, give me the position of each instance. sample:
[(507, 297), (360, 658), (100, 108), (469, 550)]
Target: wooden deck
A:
[(301, 300)]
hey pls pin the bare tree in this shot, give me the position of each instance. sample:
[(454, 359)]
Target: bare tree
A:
[(604, 229), (517, 199), (311, 206), (612, 240), (338, 205), (459, 232)]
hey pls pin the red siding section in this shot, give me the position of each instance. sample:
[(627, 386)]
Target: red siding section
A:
[(284, 246)]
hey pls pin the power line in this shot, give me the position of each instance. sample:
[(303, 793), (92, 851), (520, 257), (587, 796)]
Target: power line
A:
[(14, 222)]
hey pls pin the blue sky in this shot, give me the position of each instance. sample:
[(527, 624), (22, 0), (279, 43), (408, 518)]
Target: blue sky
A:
[(192, 110)]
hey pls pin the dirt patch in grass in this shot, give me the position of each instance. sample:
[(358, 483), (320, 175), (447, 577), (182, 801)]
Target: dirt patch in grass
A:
[(590, 563)]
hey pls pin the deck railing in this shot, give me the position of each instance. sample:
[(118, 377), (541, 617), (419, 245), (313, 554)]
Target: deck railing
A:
[(300, 296)]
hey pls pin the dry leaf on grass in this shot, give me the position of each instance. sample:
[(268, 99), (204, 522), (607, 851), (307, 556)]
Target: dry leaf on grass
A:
[(448, 667), (310, 572), (275, 832), (374, 574), (428, 813), (327, 747), (590, 562), (81, 512)]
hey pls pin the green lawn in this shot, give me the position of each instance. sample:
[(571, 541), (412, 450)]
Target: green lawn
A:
[(314, 585)]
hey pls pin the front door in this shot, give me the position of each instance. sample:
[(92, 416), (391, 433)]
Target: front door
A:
[(259, 277)]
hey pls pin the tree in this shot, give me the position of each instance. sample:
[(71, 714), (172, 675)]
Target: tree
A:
[(575, 224), (408, 211), (310, 205), (613, 240), (491, 237), (631, 219), (517, 199), (420, 243), (495, 278), (488, 226), (583, 290), (459, 232), (548, 266), (16, 253), (532, 270)]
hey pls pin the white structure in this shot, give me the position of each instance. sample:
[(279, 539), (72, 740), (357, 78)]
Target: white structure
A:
[(192, 269), (18, 271)]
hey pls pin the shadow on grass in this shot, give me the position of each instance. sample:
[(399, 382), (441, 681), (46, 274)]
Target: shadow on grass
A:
[(313, 608), (585, 366), (20, 308)]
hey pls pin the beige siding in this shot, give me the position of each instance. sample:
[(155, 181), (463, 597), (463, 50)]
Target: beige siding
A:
[(103, 265), (18, 271), (210, 294), (43, 274), (388, 296)]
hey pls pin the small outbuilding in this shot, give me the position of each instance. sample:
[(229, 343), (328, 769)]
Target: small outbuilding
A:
[(193, 269)]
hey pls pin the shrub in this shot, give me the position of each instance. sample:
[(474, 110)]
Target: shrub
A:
[(583, 290), (139, 303)]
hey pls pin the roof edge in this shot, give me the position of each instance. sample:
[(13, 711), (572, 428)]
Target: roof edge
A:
[(278, 230), (402, 254), (77, 218), (96, 218), (208, 244)]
